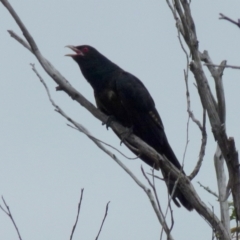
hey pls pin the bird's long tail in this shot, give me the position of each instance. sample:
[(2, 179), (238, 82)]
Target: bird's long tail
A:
[(170, 181), (177, 195)]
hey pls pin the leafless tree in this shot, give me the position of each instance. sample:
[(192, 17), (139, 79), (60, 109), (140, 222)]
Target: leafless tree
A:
[(213, 108)]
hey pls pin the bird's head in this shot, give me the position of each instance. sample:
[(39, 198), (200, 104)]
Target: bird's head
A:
[(82, 53), (90, 60)]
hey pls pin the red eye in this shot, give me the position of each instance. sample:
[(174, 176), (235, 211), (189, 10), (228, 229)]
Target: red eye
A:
[(85, 49)]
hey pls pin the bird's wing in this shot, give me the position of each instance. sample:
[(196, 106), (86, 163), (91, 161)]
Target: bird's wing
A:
[(136, 99), (147, 123)]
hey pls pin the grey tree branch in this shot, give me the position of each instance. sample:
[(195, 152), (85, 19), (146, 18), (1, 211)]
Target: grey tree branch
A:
[(217, 73), (152, 185), (109, 145), (202, 127), (9, 214), (78, 212), (218, 157), (104, 218), (208, 190), (202, 149), (184, 183), (222, 188), (223, 17), (226, 66)]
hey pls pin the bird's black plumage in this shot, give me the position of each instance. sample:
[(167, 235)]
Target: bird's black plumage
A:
[(123, 96)]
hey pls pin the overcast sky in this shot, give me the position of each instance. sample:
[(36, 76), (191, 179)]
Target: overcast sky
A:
[(44, 163)]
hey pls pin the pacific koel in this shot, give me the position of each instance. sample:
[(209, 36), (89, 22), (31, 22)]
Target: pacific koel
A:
[(123, 97)]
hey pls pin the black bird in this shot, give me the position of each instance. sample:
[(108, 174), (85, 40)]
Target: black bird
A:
[(122, 96)]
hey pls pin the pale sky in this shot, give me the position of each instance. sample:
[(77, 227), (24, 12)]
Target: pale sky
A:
[(45, 163)]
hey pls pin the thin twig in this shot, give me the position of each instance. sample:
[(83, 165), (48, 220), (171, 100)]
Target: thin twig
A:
[(187, 93), (172, 218), (9, 214), (226, 66), (187, 140), (191, 115), (223, 17), (154, 188), (202, 149), (186, 73), (162, 179), (107, 144), (213, 235), (106, 212), (78, 212), (152, 185), (208, 190), (175, 16), (174, 188), (20, 40)]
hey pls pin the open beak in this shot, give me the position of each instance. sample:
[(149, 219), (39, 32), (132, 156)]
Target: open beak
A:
[(77, 51)]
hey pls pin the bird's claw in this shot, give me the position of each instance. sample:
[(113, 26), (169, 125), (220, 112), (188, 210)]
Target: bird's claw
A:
[(126, 134), (108, 122)]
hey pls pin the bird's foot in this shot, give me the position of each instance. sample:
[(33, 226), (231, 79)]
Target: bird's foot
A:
[(108, 122), (126, 134)]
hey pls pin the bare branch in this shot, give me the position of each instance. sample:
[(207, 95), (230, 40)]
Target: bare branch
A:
[(226, 66), (168, 232), (190, 112), (223, 17), (109, 145), (220, 92), (217, 73), (106, 212), (175, 16), (162, 179), (202, 149), (171, 214), (186, 72), (213, 235), (20, 40), (208, 190), (78, 212), (9, 214), (222, 189), (152, 184)]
